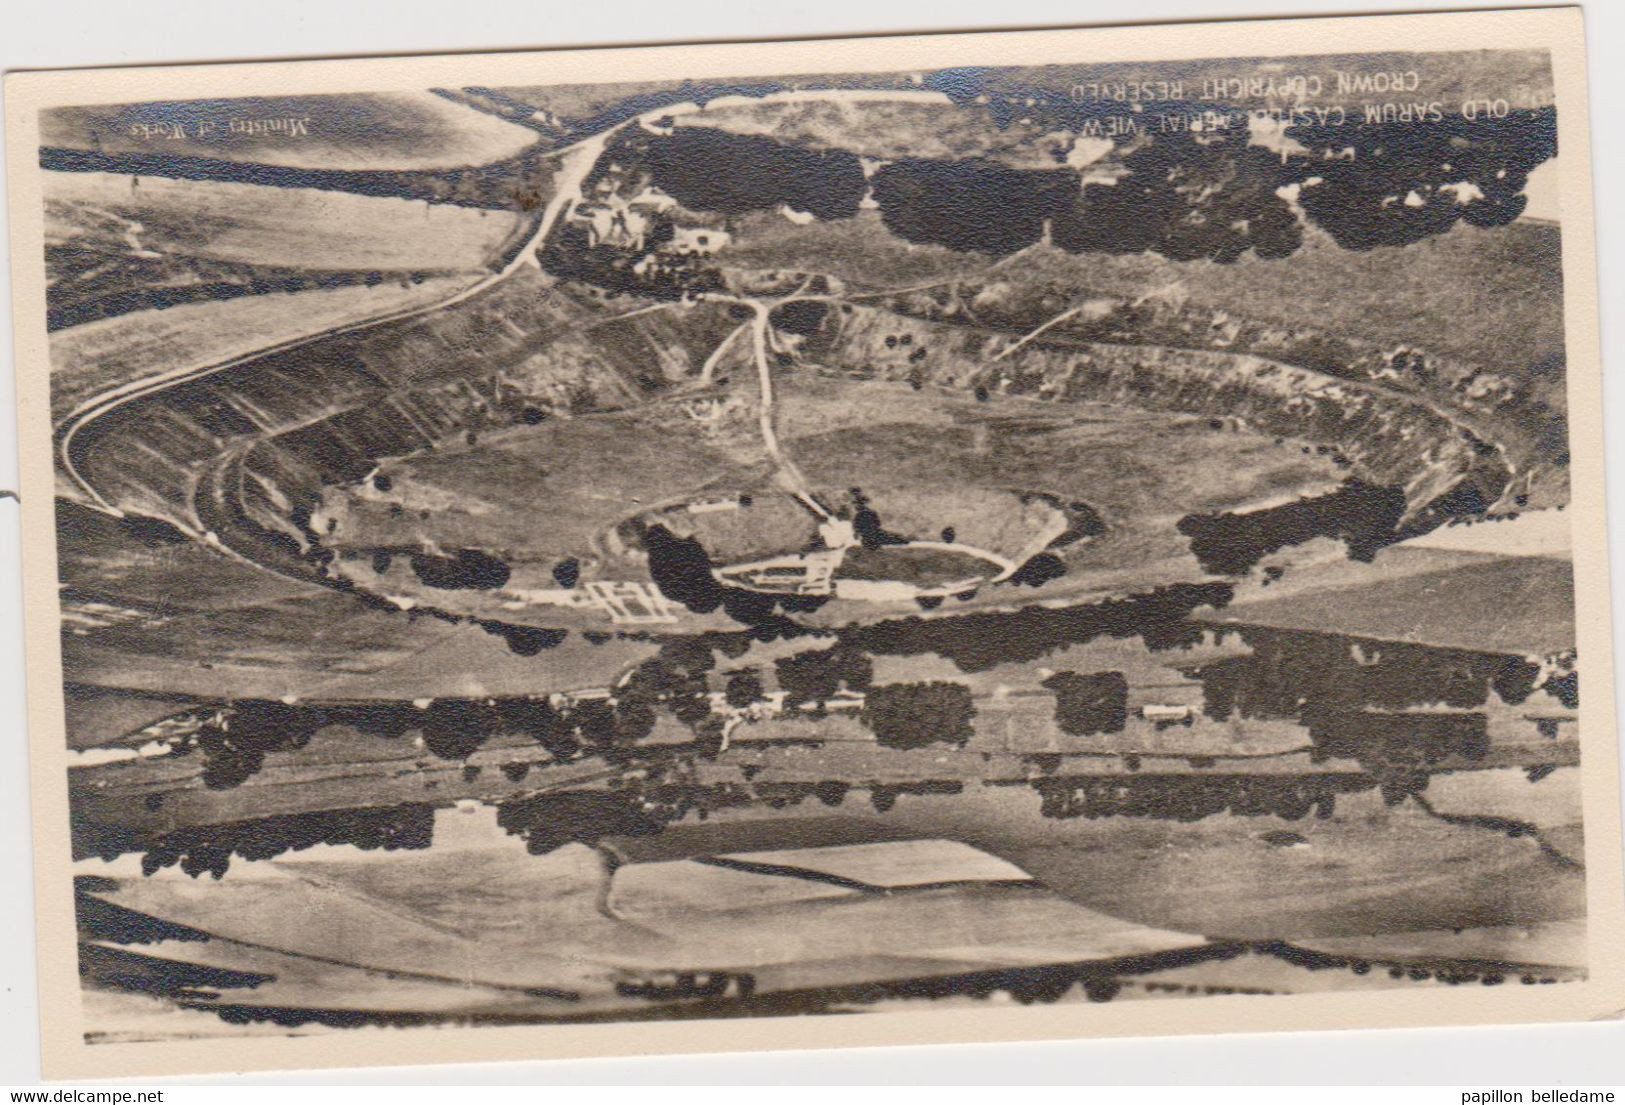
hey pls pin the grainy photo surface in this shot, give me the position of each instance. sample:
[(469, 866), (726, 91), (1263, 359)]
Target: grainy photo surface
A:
[(699, 548)]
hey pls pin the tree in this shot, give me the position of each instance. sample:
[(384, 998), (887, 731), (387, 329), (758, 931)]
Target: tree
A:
[(235, 750), (681, 570), (677, 683), (550, 821), (1040, 570), (454, 728), (691, 655), (634, 721), (817, 675), (210, 848), (691, 708), (912, 715), (855, 669), (743, 688), (594, 722), (1093, 703), (470, 569)]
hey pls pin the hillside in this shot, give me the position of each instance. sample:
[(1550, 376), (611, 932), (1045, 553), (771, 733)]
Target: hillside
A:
[(1493, 297), (1489, 296), (98, 355)]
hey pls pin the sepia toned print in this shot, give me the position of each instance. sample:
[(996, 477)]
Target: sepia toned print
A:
[(725, 545)]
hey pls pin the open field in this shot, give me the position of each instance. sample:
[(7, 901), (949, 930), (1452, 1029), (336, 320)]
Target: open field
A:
[(97, 356), (251, 224), (180, 619), (536, 492), (930, 461), (1368, 870), (591, 924), (844, 429), (98, 559), (1140, 471), (360, 655), (372, 130), (99, 715), (1513, 604), (1487, 296)]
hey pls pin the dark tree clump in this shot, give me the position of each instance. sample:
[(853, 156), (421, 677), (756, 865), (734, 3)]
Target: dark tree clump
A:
[(1399, 186), (744, 687), (567, 572), (1364, 516), (634, 721), (913, 715), (454, 728), (469, 569), (234, 749), (1514, 680), (681, 569), (973, 205), (716, 170), (1040, 570), (551, 821), (1565, 688), (210, 848), (1088, 704), (525, 640), (800, 316), (1188, 199), (817, 675)]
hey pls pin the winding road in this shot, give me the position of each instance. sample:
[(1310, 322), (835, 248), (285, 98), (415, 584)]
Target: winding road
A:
[(578, 159)]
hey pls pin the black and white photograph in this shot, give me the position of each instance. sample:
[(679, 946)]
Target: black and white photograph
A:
[(751, 545)]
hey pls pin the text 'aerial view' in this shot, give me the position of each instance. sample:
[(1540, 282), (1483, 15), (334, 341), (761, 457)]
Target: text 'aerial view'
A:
[(843, 543)]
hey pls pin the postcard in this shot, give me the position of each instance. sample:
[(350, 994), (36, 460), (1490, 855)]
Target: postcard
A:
[(959, 537)]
